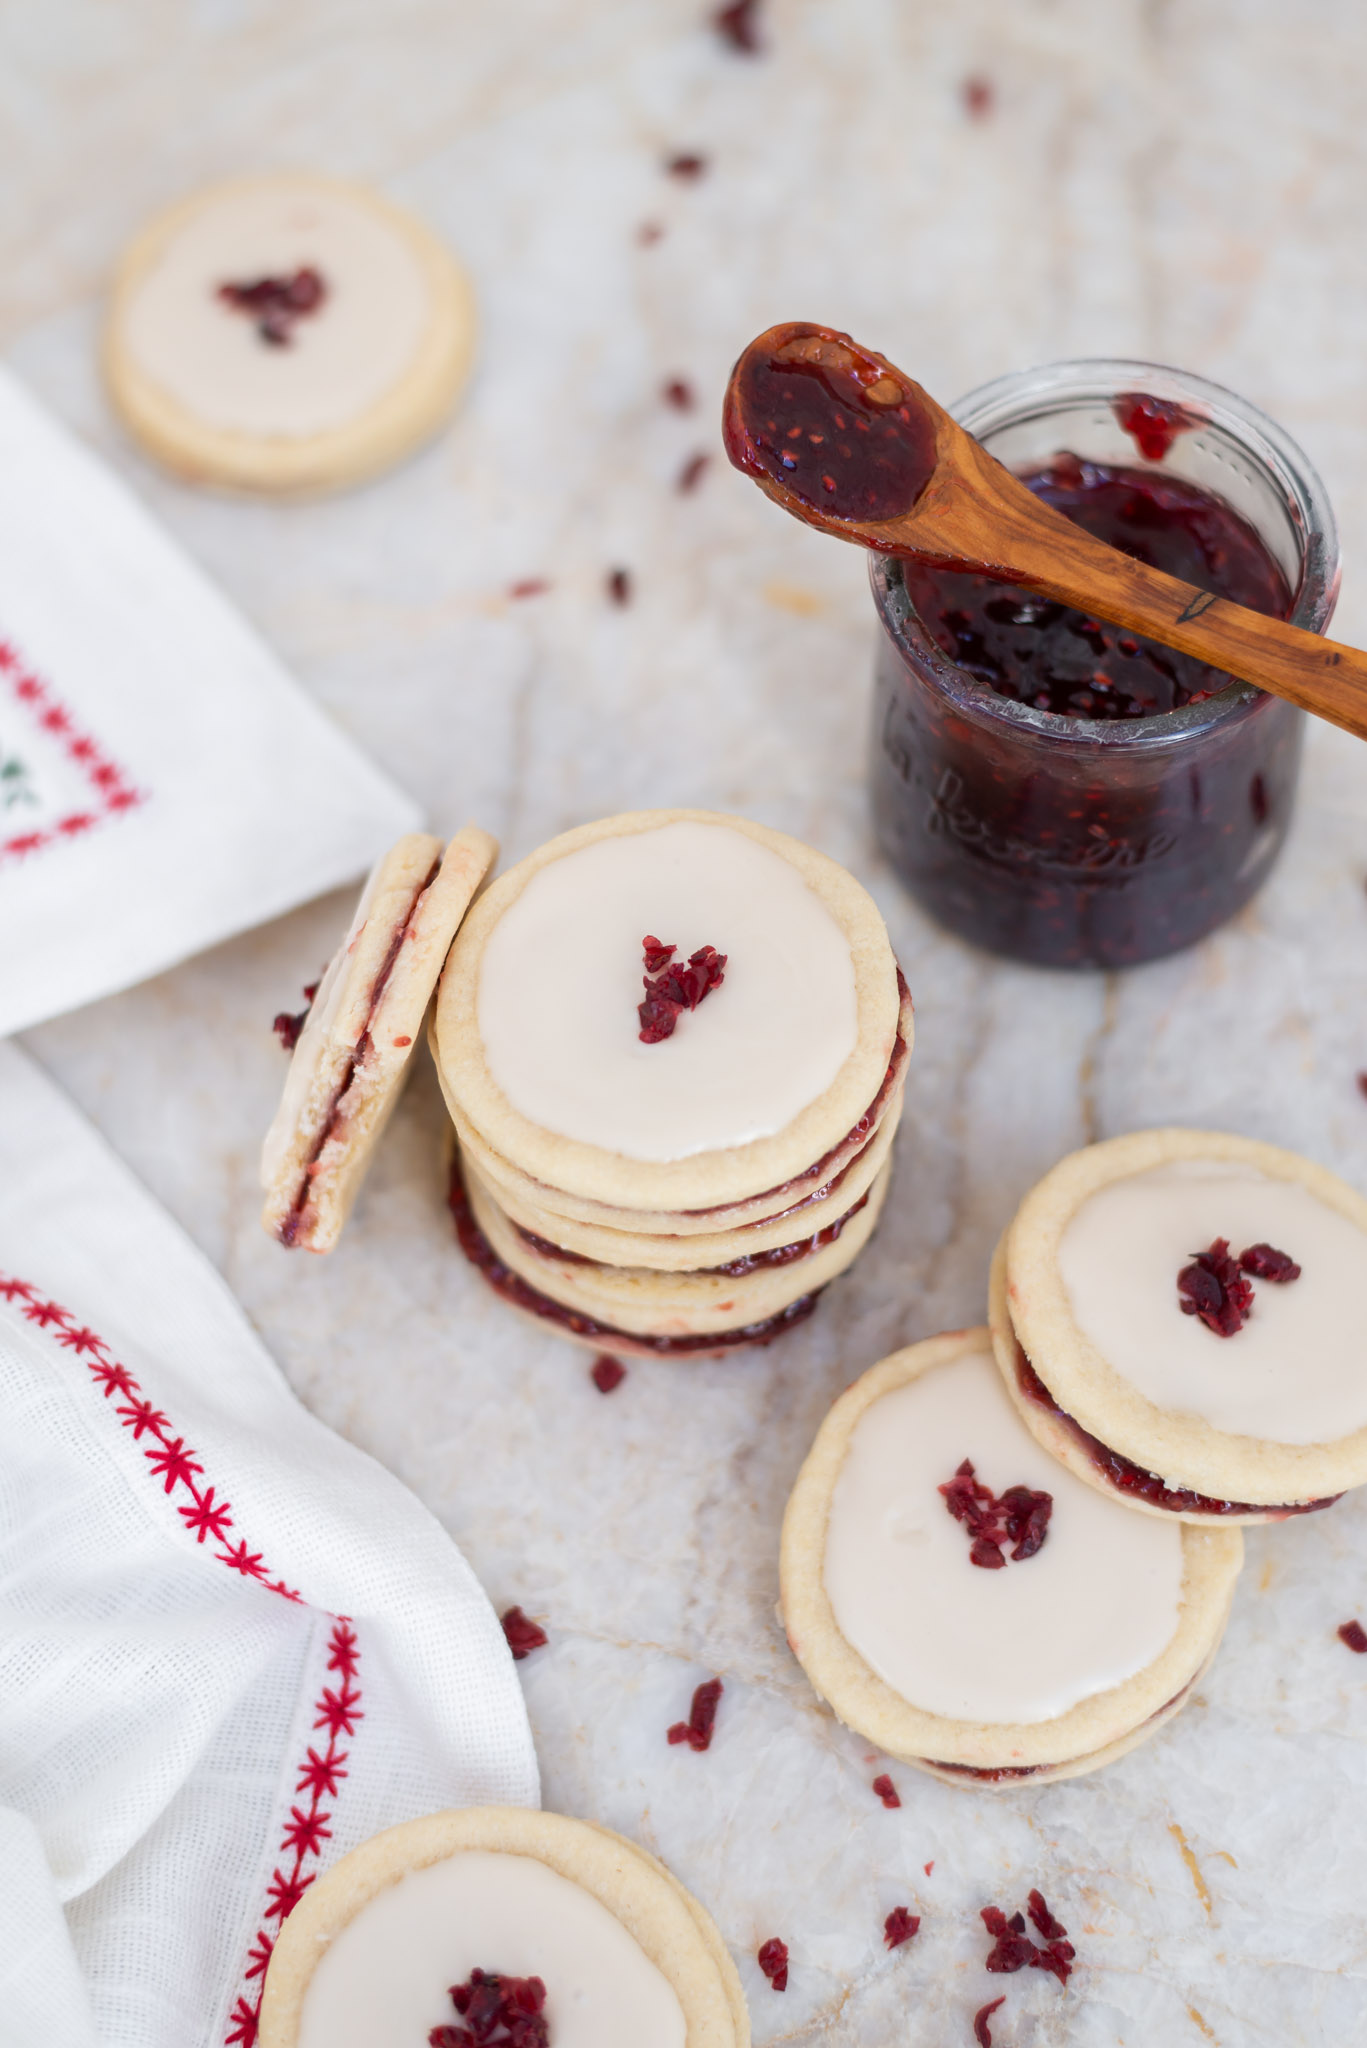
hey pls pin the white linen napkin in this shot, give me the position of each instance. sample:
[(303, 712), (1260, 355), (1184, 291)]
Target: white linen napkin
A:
[(163, 781), (231, 1645)]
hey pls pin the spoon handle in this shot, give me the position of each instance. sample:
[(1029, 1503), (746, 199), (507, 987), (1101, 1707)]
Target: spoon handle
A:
[(1024, 541)]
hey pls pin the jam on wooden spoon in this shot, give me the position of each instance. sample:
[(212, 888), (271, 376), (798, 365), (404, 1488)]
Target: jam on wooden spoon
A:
[(843, 439)]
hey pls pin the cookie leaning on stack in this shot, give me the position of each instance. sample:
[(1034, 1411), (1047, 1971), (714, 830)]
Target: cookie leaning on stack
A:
[(571, 1930), (681, 1174)]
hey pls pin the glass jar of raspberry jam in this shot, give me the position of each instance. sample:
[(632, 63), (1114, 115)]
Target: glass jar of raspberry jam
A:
[(1049, 786)]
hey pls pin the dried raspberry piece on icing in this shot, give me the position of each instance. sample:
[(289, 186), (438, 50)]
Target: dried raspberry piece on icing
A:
[(523, 1635), (505, 2012), (982, 2033), (887, 1791), (673, 986), (1019, 1517), (773, 1960), (277, 303), (1265, 1262), (900, 1926), (696, 1731), (1213, 1288)]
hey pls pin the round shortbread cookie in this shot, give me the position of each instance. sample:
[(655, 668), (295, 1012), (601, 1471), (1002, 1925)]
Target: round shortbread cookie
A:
[(690, 1254), (651, 1304), (1054, 1660), (1140, 1397), (538, 1039), (825, 1175), (351, 1058), (286, 333), (626, 1955)]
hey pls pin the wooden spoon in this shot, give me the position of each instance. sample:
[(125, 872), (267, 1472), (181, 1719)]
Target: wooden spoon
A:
[(844, 440)]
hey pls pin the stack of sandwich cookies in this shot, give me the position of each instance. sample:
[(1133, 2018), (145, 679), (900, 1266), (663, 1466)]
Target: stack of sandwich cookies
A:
[(498, 1923), (673, 1045), (353, 1051), (286, 333), (1178, 1317), (968, 1605)]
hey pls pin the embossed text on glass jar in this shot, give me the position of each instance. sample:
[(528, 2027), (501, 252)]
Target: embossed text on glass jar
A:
[(1083, 841)]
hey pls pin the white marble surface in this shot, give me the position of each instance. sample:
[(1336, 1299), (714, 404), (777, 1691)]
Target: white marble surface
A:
[(1173, 181)]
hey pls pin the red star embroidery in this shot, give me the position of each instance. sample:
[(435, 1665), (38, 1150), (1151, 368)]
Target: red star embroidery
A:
[(122, 800), (115, 1379), (248, 1562), (16, 1290), (141, 1415), (258, 1955), (82, 750), (8, 657), (106, 776), (320, 1774), (77, 822), (45, 1312), (284, 1893), (173, 1463), (340, 1711), (206, 1518), (81, 1341), (54, 719), (28, 689), (304, 1832), (285, 1592), (342, 1650), (243, 2024), (27, 842)]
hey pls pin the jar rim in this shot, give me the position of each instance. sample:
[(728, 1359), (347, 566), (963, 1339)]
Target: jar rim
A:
[(1023, 395)]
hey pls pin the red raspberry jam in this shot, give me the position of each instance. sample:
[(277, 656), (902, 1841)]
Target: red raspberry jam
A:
[(1058, 789)]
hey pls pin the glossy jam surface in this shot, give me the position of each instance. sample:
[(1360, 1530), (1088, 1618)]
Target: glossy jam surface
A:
[(1027, 798), (1036, 651), (827, 420)]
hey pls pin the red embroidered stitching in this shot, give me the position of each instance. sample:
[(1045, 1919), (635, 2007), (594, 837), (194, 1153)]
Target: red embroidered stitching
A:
[(112, 790), (338, 1707)]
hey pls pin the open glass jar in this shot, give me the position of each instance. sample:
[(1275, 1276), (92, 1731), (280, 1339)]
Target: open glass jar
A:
[(1088, 842)]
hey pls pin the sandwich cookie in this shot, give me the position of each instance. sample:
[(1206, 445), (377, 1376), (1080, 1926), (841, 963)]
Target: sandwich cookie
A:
[(1178, 1317), (671, 1027), (965, 1603), (498, 1923), (286, 333), (351, 1057)]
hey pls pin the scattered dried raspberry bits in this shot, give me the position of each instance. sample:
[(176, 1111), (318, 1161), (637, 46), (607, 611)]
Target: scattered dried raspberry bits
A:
[(523, 1634), (666, 1146), (1354, 1635), (1177, 1315), (287, 334), (353, 1046), (900, 1926), (1013, 1949), (1046, 1667), (604, 1931), (697, 1730), (772, 1958)]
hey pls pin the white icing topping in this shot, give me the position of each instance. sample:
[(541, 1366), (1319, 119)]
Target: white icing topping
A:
[(341, 359), (1096, 1604), (384, 1981), (561, 977), (1296, 1373)]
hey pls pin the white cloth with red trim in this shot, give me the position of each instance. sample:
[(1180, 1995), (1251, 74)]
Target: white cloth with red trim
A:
[(189, 1729), (163, 782)]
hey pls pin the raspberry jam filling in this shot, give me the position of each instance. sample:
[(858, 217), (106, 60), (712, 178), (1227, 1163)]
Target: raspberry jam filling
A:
[(1132, 1479), (736, 1269), (831, 423), (1018, 1517), (277, 304), (504, 2012), (673, 986), (288, 1232), (1005, 1773), (1214, 1288), (516, 1290)]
